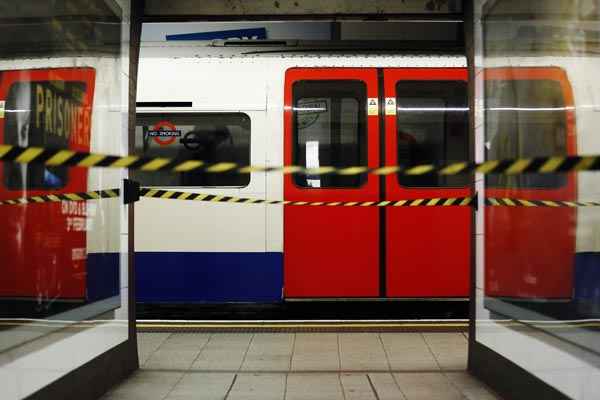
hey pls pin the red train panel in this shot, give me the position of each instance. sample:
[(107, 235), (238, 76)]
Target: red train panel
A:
[(529, 253), (428, 248), (337, 252), (331, 252), (43, 246)]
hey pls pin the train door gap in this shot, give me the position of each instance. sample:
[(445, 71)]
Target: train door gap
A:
[(382, 179)]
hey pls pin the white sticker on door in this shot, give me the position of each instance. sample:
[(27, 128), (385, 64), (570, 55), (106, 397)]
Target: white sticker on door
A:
[(390, 106), (372, 108)]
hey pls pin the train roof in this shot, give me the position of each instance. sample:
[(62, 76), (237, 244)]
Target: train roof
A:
[(287, 49)]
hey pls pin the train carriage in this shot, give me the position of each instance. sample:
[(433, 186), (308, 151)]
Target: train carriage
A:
[(311, 110)]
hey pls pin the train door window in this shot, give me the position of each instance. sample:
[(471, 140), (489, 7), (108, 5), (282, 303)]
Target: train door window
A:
[(210, 137), (329, 120), (432, 127), (45, 114), (525, 118)]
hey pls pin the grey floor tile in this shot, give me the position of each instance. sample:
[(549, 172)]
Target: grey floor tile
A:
[(427, 386), (145, 385), (362, 352), (479, 394), (450, 338), (471, 387), (357, 387), (202, 386), (258, 386), (408, 352), (385, 386), (316, 352), (166, 358), (178, 351), (148, 343), (181, 341), (313, 387), (269, 352), (449, 349), (224, 352)]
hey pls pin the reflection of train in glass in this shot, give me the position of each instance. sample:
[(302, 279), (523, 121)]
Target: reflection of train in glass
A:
[(544, 259), (57, 255), (312, 110)]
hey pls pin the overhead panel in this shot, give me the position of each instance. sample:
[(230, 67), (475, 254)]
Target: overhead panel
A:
[(289, 9)]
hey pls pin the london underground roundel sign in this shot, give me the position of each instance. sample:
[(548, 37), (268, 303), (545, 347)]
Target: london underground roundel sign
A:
[(164, 133)]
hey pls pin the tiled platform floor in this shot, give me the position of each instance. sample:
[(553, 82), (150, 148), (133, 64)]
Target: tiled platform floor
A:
[(378, 366)]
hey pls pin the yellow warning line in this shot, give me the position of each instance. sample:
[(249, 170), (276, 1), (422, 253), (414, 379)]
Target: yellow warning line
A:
[(302, 325)]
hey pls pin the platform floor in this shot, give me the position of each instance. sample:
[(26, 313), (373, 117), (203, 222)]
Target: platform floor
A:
[(378, 366)]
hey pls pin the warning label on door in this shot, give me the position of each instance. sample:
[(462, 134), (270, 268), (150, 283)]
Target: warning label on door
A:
[(390, 106), (372, 108)]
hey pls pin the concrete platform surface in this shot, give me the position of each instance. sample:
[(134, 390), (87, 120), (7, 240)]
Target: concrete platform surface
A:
[(378, 366)]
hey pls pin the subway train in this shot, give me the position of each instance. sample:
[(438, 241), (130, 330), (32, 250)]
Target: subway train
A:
[(309, 109), (280, 108), (57, 256)]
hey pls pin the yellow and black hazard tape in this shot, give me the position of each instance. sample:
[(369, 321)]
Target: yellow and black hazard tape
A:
[(79, 196), (426, 202), (510, 202), (58, 157), (173, 195), (213, 198)]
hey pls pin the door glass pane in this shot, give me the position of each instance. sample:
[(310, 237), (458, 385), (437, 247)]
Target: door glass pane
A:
[(210, 137), (525, 118), (329, 120), (432, 127)]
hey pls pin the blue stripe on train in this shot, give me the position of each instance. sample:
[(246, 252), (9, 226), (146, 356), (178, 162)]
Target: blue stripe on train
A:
[(102, 275), (587, 284), (208, 277)]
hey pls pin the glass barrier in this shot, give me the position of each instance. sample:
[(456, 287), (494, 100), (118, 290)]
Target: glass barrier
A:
[(63, 85), (538, 267)]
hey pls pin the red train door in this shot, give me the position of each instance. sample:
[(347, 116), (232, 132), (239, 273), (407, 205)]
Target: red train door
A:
[(331, 117), (530, 251), (426, 120)]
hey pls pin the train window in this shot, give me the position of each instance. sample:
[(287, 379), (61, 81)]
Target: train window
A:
[(525, 118), (432, 127), (210, 137), (329, 120), (45, 114)]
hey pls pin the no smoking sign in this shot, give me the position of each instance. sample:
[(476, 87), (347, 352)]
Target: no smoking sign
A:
[(164, 133)]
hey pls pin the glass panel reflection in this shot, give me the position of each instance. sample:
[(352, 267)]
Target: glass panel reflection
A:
[(536, 82), (61, 86)]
